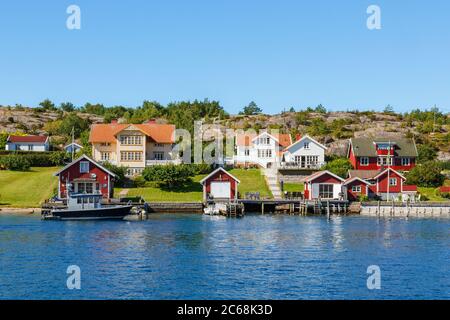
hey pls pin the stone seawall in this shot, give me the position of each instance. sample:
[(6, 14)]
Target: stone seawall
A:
[(420, 210)]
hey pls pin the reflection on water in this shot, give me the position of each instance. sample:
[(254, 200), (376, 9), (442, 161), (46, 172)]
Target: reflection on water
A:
[(203, 257)]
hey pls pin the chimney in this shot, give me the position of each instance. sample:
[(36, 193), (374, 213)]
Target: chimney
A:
[(298, 136), (151, 121), (114, 121)]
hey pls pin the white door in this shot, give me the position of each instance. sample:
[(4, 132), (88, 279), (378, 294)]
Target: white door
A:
[(221, 190)]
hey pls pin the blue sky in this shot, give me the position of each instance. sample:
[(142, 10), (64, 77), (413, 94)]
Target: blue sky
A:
[(277, 53)]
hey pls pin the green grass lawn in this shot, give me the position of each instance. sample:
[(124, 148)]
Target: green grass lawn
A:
[(431, 194), (251, 181), (294, 187), (26, 189)]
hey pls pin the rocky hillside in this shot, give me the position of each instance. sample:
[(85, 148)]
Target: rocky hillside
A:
[(331, 128)]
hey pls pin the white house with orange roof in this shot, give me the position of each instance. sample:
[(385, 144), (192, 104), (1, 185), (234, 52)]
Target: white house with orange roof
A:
[(133, 145), (264, 149)]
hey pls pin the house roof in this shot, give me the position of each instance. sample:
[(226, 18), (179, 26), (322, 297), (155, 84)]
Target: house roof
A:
[(217, 170), (363, 174), (30, 139), (160, 133), (303, 138), (318, 174), (88, 159), (350, 180), (389, 169), (73, 144), (245, 139), (365, 147)]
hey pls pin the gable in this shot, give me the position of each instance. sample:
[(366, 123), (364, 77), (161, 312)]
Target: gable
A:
[(299, 145)]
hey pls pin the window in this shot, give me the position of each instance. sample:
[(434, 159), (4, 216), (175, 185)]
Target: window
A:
[(306, 145), (105, 144), (89, 188), (158, 155), (130, 156), (392, 181), (159, 145), (356, 189), (81, 188), (384, 161), (326, 191), (364, 161), (264, 153), (84, 166), (264, 140), (312, 160), (247, 152), (131, 140), (406, 161), (30, 147), (134, 171), (105, 156)]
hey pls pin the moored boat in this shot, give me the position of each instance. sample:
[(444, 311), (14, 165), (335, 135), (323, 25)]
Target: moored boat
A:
[(86, 207)]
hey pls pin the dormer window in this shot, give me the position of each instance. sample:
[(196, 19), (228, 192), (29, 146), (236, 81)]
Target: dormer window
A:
[(364, 161)]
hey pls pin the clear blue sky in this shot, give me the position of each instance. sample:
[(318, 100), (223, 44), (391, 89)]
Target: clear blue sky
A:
[(277, 53)]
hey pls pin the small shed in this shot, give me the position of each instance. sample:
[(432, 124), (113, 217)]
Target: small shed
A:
[(85, 176), (323, 185), (220, 185)]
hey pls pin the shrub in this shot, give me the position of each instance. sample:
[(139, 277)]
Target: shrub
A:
[(339, 166), (139, 181), (169, 175), (427, 174), (202, 168), (119, 171), (14, 162), (58, 158)]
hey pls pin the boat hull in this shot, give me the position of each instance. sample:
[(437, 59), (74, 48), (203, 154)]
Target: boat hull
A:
[(105, 213)]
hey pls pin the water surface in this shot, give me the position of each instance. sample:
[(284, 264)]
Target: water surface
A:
[(201, 257)]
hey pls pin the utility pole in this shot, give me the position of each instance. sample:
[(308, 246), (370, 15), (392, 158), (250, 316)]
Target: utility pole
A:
[(388, 164)]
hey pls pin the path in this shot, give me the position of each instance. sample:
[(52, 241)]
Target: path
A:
[(271, 175)]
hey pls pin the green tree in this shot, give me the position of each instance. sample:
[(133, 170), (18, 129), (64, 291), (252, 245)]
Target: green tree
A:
[(73, 121), (47, 105), (67, 106), (339, 166), (320, 109), (251, 109), (426, 152), (427, 174)]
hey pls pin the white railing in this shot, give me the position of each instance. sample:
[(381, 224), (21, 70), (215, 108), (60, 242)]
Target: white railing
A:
[(297, 166), (161, 162)]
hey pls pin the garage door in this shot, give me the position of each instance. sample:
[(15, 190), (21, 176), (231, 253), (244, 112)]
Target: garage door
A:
[(221, 190)]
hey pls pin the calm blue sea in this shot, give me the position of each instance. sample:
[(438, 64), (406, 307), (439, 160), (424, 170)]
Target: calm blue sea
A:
[(201, 257)]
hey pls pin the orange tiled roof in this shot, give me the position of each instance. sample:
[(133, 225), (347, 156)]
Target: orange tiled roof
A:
[(245, 139), (160, 133)]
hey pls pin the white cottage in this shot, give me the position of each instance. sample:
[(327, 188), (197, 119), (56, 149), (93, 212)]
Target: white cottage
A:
[(27, 143), (264, 149), (305, 153)]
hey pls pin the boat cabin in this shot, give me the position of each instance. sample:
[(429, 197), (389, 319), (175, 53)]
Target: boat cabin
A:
[(84, 201)]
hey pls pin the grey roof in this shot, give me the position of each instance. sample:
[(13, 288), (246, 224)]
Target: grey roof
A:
[(363, 174), (365, 147)]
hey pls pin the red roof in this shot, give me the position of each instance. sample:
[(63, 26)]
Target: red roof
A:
[(36, 139), (160, 133), (445, 189)]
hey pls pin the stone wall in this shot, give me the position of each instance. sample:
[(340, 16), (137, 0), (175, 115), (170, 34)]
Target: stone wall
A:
[(422, 210)]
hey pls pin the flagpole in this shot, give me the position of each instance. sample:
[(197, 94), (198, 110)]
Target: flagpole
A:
[(73, 138), (389, 179)]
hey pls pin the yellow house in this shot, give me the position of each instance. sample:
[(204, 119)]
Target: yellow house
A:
[(134, 146)]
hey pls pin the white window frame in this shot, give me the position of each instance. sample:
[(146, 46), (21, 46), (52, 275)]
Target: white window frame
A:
[(328, 191), (105, 156), (364, 163), (406, 161), (306, 145), (158, 155), (391, 180), (356, 189), (82, 168)]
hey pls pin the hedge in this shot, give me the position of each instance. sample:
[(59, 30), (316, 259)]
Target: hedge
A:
[(38, 159)]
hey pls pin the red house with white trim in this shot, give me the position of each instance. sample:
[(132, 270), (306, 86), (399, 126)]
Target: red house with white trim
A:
[(220, 185), (84, 175), (379, 153), (323, 185)]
